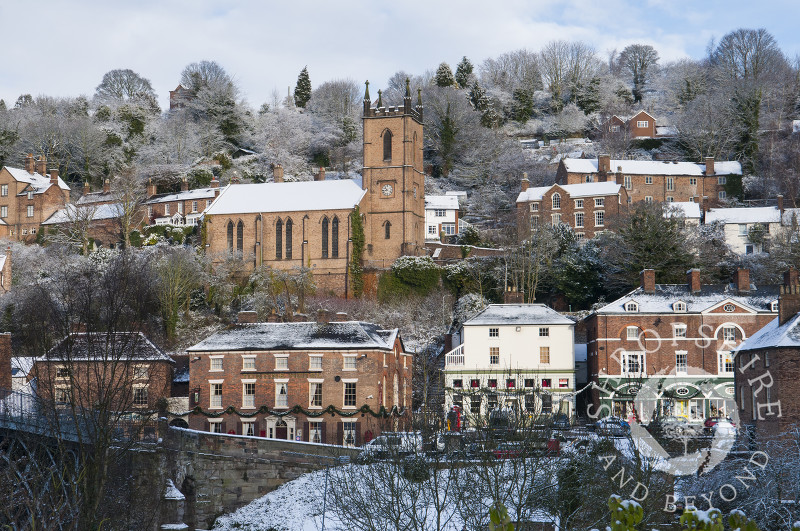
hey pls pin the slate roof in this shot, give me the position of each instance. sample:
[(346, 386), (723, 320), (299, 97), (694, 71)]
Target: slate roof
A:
[(446, 202), (774, 336), (347, 335), (299, 196), (70, 213), (518, 314), (40, 183), (98, 197), (118, 346), (744, 215), (650, 167), (760, 298), (574, 190), (188, 195)]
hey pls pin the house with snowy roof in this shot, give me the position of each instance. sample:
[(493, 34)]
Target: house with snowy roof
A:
[(663, 181), (286, 225), (747, 230), (586, 208), (688, 211), (441, 216), (518, 356), (768, 375), (28, 197), (676, 341), (179, 208), (303, 381)]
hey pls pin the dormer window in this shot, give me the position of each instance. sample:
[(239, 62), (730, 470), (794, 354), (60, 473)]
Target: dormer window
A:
[(679, 306), (631, 306), (774, 306)]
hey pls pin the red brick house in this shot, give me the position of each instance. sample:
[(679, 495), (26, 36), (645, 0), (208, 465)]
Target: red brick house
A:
[(265, 369), (28, 197), (679, 338), (85, 368), (640, 125), (662, 181), (179, 208), (768, 369), (587, 208), (5, 363)]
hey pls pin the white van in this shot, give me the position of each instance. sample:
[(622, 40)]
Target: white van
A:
[(389, 444)]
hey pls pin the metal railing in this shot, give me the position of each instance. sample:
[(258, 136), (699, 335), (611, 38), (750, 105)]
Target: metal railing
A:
[(455, 356)]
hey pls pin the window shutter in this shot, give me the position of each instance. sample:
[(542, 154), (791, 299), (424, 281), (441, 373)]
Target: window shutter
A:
[(305, 431), (223, 426), (324, 439), (239, 427), (358, 434), (208, 425), (339, 434)]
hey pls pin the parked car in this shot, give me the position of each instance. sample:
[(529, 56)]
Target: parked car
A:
[(613, 426), (392, 444), (508, 450), (711, 422), (561, 422), (672, 426)]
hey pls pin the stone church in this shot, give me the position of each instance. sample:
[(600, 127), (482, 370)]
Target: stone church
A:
[(291, 224)]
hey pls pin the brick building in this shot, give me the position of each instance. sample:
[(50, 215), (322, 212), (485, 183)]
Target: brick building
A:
[(28, 197), (5, 271), (640, 125), (678, 341), (179, 208), (345, 364), (661, 181), (768, 369), (179, 97), (587, 207), (85, 368), (291, 224), (5, 363)]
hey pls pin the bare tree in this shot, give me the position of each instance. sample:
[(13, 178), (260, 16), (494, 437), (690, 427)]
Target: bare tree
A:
[(74, 226), (123, 86), (639, 61), (564, 66)]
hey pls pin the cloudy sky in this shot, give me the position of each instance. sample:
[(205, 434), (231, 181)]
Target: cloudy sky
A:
[(63, 48)]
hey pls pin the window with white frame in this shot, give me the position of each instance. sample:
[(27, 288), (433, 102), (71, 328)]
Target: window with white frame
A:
[(670, 199), (599, 218), (494, 355), (579, 203), (248, 394), (631, 307), (248, 363), (166, 209), (180, 208), (615, 128), (556, 219), (281, 394), (579, 219), (774, 306), (722, 179), (3, 212), (249, 428), (679, 330), (599, 202), (30, 211), (494, 332), (670, 184), (722, 194), (215, 395), (315, 363), (534, 222), (140, 396), (315, 431), (648, 199), (544, 331), (642, 124), (534, 207), (349, 363), (215, 363), (679, 306), (692, 181), (141, 372), (4, 190), (432, 230), (349, 428), (439, 212), (681, 362), (743, 230), (350, 394), (556, 200), (449, 229), (315, 394), (628, 182), (729, 333), (580, 236), (544, 355), (194, 206), (633, 363), (30, 196), (282, 363), (632, 332), (215, 425), (725, 363), (648, 179), (208, 203)]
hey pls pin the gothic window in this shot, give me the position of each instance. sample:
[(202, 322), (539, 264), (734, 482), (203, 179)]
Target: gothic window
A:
[(230, 236), (279, 239), (239, 237), (556, 200), (324, 237), (387, 145), (388, 228), (335, 238), (289, 239)]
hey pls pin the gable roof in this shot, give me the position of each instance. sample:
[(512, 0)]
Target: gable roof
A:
[(188, 195), (651, 167), (774, 336), (517, 314), (39, 183), (99, 197), (344, 335), (101, 346), (689, 209), (744, 215), (446, 202), (574, 190), (759, 298), (287, 197), (71, 213)]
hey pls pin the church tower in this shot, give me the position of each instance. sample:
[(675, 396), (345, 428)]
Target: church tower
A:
[(393, 176)]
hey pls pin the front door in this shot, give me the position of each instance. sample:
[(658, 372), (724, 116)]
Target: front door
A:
[(281, 431)]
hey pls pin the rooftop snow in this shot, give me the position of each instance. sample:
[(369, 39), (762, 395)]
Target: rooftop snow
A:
[(298, 336), (574, 190), (118, 346), (521, 314), (188, 195), (690, 209), (774, 336), (759, 299), (2, 261), (98, 197), (744, 215), (447, 202), (39, 182), (287, 197), (649, 167), (72, 213)]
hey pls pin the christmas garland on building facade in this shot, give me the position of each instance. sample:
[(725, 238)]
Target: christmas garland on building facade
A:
[(382, 413)]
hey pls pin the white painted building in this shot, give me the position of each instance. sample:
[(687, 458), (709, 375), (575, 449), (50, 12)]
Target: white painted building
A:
[(741, 226), (441, 216), (512, 355)]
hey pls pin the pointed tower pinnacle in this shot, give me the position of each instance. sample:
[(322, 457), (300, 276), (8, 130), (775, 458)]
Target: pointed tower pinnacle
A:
[(379, 103), (366, 92), (407, 98), (408, 88), (367, 102), (419, 103)]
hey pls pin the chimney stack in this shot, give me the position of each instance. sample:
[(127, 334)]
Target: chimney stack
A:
[(525, 182), (742, 280), (709, 166), (152, 189), (277, 173), (41, 165), (323, 316), (603, 163), (512, 296), (107, 186), (184, 185), (780, 206), (648, 280), (54, 176), (693, 280), (789, 299), (215, 186), (340, 317), (86, 188), (321, 175), (30, 165), (247, 317)]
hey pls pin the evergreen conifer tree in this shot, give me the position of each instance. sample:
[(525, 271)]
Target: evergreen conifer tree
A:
[(463, 72), (302, 91), (444, 76)]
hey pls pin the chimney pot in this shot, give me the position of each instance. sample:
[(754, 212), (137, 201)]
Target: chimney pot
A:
[(30, 165), (648, 280), (86, 188), (693, 280), (54, 176), (525, 182), (323, 316), (277, 173), (41, 165), (184, 184), (106, 186), (742, 280), (247, 317), (340, 317), (709, 166), (152, 189), (603, 163)]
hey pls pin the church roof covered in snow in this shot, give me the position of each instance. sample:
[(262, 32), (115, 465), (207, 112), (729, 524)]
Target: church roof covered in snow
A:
[(287, 197)]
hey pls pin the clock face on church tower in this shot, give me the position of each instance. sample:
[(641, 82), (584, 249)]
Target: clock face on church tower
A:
[(387, 189)]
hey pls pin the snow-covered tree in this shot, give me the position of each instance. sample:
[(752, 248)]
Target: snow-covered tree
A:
[(464, 72), (639, 61), (444, 76), (302, 90)]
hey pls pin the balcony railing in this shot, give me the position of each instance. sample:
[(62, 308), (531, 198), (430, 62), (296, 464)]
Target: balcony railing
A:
[(454, 357)]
